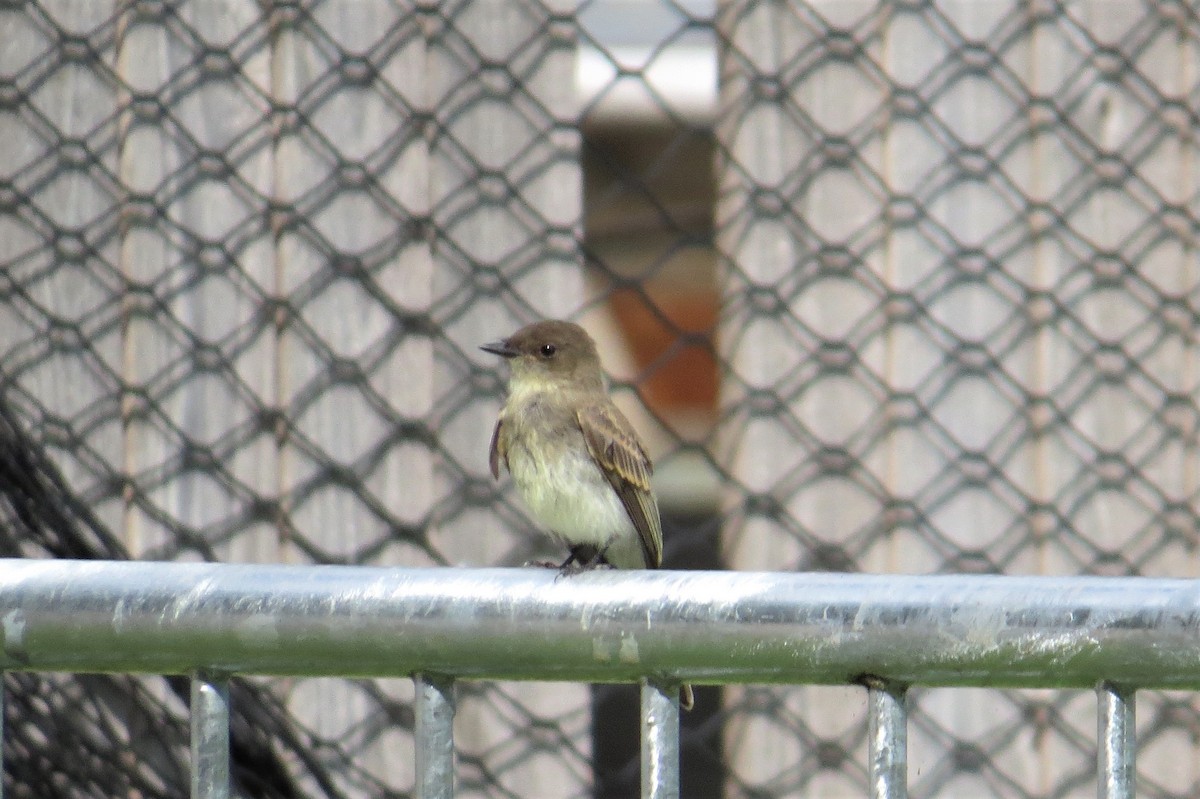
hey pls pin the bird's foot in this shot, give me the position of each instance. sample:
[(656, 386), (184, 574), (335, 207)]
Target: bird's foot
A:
[(572, 567)]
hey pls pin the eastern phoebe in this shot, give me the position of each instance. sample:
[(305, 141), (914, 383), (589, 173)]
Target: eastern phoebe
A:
[(576, 459)]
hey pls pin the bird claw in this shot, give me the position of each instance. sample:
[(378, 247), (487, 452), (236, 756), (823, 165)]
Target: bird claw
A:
[(571, 569)]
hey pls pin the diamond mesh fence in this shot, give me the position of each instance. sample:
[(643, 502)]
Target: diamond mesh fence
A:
[(886, 287)]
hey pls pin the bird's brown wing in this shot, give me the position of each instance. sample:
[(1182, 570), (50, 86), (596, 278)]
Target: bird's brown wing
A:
[(497, 451), (615, 446)]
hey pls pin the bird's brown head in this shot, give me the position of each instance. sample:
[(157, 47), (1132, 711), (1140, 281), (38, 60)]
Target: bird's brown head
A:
[(551, 353)]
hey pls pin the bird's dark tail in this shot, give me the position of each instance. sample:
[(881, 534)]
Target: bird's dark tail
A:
[(687, 700)]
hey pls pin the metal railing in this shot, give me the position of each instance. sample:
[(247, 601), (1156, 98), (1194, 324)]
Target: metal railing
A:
[(211, 621)]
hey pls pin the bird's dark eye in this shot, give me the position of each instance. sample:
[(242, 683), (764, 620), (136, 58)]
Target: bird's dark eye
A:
[(548, 350)]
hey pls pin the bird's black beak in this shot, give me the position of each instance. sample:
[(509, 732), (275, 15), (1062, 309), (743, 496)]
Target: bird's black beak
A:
[(500, 348)]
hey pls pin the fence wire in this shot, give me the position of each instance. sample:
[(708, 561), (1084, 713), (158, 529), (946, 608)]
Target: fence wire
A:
[(887, 287)]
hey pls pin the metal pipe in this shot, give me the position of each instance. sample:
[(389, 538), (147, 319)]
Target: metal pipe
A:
[(210, 737), (1115, 756), (887, 732), (660, 740), (176, 618), (435, 736)]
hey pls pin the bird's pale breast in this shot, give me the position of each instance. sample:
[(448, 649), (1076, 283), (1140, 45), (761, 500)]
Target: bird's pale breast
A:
[(564, 489)]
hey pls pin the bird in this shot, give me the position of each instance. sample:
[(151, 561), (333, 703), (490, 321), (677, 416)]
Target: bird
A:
[(575, 459)]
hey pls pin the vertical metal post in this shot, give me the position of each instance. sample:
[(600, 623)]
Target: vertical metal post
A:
[(435, 736), (887, 732), (660, 740), (210, 737), (1, 735), (1115, 756)]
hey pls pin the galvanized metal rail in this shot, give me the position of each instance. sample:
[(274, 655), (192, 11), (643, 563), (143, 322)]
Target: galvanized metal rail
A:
[(1113, 635)]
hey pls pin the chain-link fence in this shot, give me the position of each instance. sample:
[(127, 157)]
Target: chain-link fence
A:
[(886, 286)]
